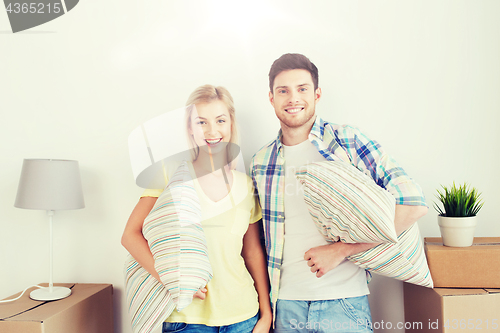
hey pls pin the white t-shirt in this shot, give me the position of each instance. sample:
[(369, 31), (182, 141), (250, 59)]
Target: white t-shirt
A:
[(297, 282)]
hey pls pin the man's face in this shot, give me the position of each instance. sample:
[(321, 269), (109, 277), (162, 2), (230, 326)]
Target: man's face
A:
[(294, 98)]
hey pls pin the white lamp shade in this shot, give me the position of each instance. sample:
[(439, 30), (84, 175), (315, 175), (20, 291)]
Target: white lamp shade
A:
[(48, 184)]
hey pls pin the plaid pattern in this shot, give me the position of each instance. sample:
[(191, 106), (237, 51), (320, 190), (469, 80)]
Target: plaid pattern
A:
[(334, 142)]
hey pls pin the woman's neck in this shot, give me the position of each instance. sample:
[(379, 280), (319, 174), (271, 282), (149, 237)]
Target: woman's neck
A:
[(211, 163)]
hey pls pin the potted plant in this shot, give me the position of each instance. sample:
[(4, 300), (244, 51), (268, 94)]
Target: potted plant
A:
[(457, 221)]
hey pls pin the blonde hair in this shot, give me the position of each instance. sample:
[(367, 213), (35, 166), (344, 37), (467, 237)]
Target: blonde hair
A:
[(207, 94)]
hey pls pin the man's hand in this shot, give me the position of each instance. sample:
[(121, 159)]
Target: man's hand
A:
[(201, 293), (324, 258)]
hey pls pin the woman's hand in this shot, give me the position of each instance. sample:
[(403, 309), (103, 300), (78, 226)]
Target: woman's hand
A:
[(263, 324), (201, 293)]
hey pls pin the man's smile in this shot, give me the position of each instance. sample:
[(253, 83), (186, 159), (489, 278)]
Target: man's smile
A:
[(294, 110)]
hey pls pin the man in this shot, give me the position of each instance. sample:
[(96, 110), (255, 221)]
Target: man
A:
[(313, 286)]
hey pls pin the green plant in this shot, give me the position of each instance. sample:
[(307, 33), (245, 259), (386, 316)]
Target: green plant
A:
[(459, 201)]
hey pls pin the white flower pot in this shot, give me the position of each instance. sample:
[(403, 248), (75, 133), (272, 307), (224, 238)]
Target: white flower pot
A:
[(457, 231)]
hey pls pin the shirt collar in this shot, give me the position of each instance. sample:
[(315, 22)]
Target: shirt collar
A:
[(279, 145), (317, 132)]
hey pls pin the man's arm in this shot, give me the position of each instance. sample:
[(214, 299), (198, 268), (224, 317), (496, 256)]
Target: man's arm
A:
[(406, 216), (323, 259), (368, 156)]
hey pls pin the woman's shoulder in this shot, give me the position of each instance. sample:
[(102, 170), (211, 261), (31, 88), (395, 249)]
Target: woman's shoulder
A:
[(245, 184), (169, 169), (242, 177)]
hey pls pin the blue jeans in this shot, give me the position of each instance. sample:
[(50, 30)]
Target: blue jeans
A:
[(245, 326), (337, 315)]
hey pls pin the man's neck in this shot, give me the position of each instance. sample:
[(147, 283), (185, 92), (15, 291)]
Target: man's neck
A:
[(294, 136)]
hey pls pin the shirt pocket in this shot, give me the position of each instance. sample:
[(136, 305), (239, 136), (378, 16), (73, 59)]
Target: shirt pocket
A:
[(240, 222)]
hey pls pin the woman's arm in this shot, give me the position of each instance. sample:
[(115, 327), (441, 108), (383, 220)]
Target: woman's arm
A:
[(135, 243), (133, 239), (256, 264)]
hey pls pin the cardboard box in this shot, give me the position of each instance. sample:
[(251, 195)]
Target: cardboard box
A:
[(476, 266), (89, 309), (442, 310)]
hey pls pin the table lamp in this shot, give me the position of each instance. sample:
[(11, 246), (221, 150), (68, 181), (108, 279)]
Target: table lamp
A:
[(50, 185)]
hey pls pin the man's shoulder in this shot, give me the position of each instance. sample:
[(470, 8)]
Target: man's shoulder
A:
[(331, 126), (337, 130)]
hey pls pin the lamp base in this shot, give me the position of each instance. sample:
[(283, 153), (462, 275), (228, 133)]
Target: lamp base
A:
[(44, 294)]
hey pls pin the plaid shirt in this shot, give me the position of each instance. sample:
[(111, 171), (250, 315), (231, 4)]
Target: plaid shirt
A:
[(333, 142)]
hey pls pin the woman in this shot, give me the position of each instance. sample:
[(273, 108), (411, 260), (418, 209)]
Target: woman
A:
[(230, 212)]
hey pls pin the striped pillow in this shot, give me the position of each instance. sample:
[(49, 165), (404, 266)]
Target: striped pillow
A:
[(149, 302), (404, 260), (350, 206), (177, 241), (347, 206)]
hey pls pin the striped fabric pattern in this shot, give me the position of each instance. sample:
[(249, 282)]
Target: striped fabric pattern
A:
[(343, 201), (352, 208), (177, 241), (149, 302), (404, 260)]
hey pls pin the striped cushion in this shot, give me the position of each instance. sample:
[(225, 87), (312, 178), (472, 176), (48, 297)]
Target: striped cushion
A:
[(346, 206), (149, 302), (176, 239), (348, 203), (404, 260)]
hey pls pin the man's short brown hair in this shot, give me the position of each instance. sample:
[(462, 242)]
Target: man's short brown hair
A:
[(290, 61)]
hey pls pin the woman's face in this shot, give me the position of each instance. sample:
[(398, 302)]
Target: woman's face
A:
[(211, 126)]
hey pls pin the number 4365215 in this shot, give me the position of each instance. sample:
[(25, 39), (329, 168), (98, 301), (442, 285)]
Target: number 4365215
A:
[(471, 324), (34, 8)]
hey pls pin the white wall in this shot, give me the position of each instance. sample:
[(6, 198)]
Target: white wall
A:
[(423, 78)]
